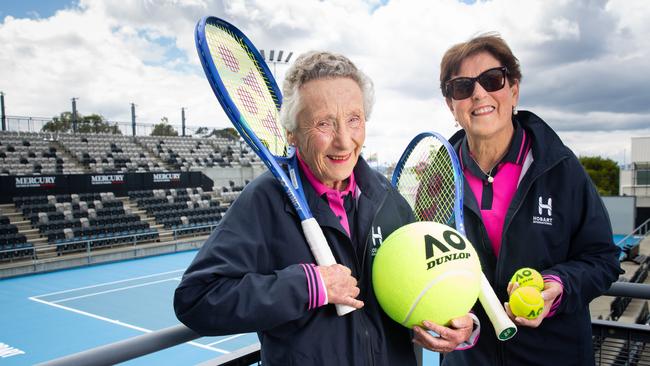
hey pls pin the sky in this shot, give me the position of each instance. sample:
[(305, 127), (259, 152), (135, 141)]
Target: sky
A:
[(584, 62)]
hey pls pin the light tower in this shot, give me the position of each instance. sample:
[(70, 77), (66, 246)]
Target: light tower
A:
[(276, 57)]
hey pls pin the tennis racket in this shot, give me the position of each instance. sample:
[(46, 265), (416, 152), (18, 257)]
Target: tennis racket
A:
[(247, 91), (429, 177)]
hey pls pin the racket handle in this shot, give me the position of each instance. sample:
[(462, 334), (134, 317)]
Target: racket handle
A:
[(503, 326), (322, 252)]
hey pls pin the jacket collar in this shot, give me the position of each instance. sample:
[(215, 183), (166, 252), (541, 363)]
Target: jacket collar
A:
[(547, 147), (371, 191)]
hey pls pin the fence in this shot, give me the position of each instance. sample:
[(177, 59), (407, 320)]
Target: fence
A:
[(35, 124)]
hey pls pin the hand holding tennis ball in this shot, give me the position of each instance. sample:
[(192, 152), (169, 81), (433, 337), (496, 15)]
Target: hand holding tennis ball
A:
[(526, 302)]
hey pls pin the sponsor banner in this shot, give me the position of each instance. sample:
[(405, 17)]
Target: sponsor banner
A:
[(35, 182), (106, 179), (119, 183), (166, 177)]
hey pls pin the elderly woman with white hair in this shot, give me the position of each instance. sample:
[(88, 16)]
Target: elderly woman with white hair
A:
[(256, 273)]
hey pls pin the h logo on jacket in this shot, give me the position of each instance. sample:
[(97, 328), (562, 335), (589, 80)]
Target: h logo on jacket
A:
[(545, 206), (545, 212), (377, 239)]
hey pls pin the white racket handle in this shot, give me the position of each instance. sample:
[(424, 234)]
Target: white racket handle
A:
[(322, 252), (503, 326)]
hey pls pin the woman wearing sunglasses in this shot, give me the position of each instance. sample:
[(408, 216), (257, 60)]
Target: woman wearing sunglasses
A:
[(528, 203)]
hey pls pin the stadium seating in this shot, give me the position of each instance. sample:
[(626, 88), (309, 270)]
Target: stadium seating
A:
[(184, 153), (33, 154), (186, 211), (13, 245), (68, 223), (117, 154)]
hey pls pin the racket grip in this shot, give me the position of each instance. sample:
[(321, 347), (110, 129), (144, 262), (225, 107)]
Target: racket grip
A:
[(503, 326), (322, 252)]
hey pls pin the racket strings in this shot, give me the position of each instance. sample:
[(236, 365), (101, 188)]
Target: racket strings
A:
[(248, 87), (427, 182)]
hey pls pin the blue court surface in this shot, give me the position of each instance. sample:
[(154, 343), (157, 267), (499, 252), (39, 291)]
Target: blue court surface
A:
[(50, 315), (46, 316)]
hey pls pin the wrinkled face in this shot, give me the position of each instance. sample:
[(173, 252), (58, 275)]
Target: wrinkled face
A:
[(484, 115), (331, 128)]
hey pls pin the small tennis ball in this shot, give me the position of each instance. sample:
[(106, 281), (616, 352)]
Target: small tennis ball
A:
[(526, 302), (528, 277), (426, 271)]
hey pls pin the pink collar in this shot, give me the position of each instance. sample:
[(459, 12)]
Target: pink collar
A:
[(334, 197), (322, 188)]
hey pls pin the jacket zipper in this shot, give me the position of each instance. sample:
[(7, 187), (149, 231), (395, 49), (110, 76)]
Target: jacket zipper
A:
[(363, 265), (369, 237)]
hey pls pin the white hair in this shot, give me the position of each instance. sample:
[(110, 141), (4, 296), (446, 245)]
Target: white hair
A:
[(319, 65)]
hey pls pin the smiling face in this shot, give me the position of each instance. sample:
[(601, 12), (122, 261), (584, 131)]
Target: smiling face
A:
[(331, 129), (485, 115)]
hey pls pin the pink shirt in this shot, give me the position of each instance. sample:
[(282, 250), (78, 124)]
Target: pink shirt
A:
[(334, 197), (494, 197)]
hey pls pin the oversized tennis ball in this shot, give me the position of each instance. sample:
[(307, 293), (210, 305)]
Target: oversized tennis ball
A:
[(526, 302), (528, 277), (426, 271)]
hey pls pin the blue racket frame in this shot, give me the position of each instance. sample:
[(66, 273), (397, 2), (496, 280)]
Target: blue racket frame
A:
[(457, 171), (292, 187)]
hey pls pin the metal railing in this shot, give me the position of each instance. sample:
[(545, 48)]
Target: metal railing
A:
[(632, 240), (642, 231), (35, 124), (156, 341), (90, 245)]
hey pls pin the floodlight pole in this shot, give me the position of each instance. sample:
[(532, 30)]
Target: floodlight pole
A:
[(133, 118), (2, 111), (276, 58), (183, 120), (74, 114)]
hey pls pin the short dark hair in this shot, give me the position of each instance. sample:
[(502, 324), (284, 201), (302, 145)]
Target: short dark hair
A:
[(491, 43)]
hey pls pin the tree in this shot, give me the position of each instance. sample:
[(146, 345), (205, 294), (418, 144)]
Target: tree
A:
[(228, 132), (62, 123), (163, 128), (603, 172), (93, 123)]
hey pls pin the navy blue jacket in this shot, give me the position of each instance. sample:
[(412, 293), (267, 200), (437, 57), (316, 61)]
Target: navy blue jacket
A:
[(247, 278), (572, 240)]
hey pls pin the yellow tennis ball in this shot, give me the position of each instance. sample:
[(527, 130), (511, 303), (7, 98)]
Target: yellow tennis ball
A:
[(526, 302), (528, 277), (426, 271)]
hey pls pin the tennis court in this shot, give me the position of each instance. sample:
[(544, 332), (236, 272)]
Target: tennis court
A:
[(50, 315)]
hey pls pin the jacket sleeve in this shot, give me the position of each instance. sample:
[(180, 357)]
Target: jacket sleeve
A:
[(234, 284), (592, 263)]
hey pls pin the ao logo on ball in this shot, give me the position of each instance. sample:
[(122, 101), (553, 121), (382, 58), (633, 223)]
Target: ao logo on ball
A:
[(452, 240)]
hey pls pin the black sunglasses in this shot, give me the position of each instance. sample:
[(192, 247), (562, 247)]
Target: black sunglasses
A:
[(463, 87)]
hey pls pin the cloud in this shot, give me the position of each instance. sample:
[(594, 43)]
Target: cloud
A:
[(584, 62)]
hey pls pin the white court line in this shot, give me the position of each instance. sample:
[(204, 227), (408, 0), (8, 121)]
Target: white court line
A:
[(115, 290), (225, 339), (110, 283), (117, 322)]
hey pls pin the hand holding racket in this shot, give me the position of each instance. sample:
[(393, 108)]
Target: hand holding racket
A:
[(250, 97), (428, 175)]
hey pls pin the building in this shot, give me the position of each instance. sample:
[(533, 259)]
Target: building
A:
[(635, 181)]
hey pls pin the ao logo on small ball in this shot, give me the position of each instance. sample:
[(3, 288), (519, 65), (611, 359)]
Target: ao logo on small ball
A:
[(453, 240), (524, 274)]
